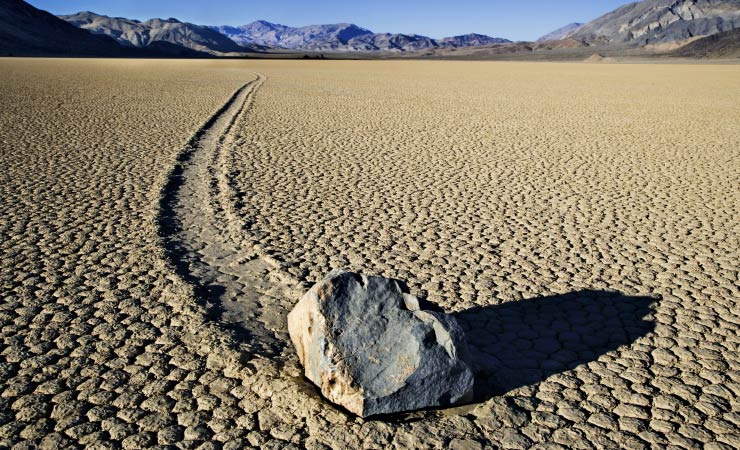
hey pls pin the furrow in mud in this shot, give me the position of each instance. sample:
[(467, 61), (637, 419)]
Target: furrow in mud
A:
[(205, 242)]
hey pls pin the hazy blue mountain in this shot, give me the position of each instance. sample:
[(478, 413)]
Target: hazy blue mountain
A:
[(341, 37), (391, 42), (470, 40), (661, 21), (561, 33), (313, 37), (134, 33)]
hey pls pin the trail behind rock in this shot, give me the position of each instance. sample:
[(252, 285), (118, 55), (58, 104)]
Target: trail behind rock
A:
[(205, 243)]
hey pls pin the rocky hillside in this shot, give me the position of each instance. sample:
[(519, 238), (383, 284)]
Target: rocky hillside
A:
[(275, 35), (561, 33), (341, 37), (720, 45), (661, 21), (134, 33), (27, 31)]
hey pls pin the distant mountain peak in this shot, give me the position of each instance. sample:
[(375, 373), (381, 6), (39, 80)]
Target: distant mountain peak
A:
[(133, 33), (471, 40), (342, 37)]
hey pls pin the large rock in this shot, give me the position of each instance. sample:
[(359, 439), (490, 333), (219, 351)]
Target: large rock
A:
[(371, 349)]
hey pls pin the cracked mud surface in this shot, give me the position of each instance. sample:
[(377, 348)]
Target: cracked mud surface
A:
[(580, 221)]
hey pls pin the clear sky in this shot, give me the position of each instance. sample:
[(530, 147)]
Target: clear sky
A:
[(511, 19)]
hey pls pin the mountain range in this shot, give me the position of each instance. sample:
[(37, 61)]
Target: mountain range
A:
[(133, 33), (342, 37), (650, 25)]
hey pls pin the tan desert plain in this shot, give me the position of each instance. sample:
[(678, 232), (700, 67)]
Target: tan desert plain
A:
[(581, 222)]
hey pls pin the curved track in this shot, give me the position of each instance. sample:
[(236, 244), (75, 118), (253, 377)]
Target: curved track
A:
[(204, 240)]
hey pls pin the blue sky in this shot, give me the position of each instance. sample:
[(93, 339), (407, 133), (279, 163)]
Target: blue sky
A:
[(512, 19)]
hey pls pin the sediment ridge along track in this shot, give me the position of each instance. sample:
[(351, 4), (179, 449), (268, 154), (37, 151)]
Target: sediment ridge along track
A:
[(205, 243)]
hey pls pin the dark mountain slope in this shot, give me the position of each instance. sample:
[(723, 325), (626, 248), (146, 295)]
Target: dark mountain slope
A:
[(720, 45), (28, 31)]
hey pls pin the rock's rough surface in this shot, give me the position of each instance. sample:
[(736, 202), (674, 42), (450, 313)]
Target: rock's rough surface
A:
[(371, 349)]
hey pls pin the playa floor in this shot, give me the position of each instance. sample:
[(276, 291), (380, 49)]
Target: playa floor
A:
[(160, 218)]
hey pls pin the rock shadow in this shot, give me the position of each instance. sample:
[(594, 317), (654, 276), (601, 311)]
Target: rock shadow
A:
[(523, 342)]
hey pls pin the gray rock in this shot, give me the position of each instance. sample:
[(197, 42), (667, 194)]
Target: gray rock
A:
[(371, 349)]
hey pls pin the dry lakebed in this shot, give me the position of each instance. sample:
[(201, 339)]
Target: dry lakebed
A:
[(159, 219)]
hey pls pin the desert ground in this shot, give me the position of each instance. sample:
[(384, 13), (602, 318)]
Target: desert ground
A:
[(160, 218)]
